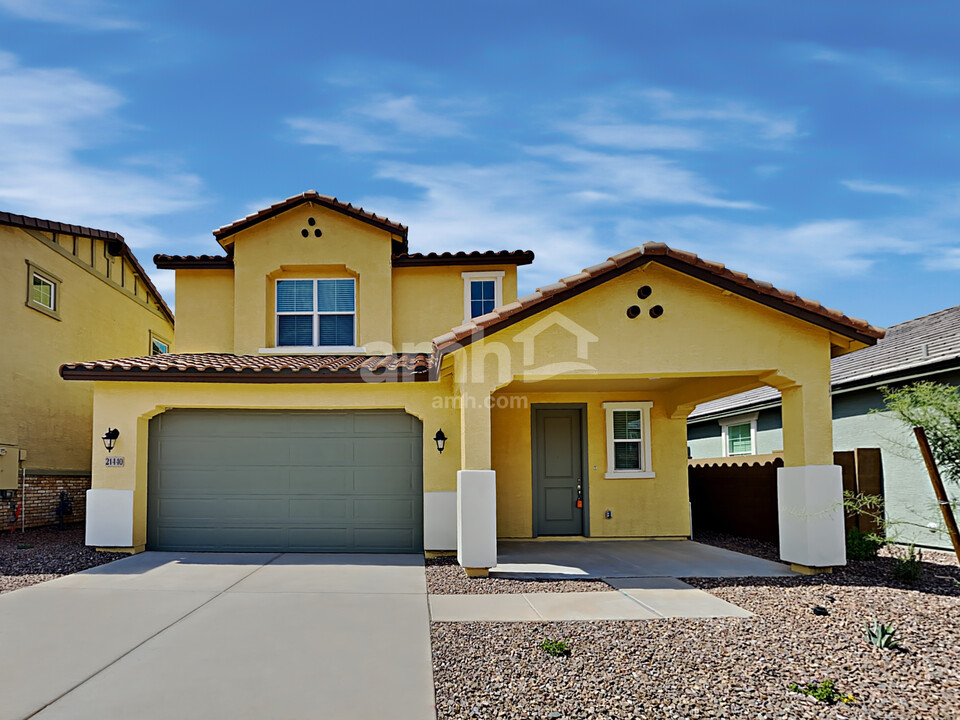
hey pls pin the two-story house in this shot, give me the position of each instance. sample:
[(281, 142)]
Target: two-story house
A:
[(66, 292), (319, 400)]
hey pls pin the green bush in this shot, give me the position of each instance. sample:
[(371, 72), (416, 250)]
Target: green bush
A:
[(825, 692), (908, 568), (556, 648), (862, 546)]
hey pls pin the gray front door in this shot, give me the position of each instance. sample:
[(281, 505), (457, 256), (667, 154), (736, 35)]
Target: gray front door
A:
[(248, 480), (558, 471)]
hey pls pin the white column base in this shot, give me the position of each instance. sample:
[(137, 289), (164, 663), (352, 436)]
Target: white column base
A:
[(477, 518), (810, 505), (109, 518)]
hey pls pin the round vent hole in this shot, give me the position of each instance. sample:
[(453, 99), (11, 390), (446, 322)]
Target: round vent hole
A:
[(305, 232), (311, 222), (633, 311), (656, 311), (644, 292)]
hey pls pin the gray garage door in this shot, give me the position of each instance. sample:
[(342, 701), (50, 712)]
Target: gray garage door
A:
[(285, 480)]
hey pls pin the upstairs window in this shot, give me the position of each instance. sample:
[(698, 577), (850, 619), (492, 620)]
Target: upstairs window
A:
[(158, 346), (43, 291), (482, 292), (316, 313)]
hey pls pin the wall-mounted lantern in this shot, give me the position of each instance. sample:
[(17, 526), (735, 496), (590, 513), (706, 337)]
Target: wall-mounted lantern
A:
[(110, 438), (440, 439)]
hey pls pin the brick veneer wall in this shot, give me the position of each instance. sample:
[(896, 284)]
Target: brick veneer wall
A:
[(42, 498)]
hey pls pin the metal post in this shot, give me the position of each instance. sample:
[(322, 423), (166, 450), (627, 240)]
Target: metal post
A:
[(938, 489)]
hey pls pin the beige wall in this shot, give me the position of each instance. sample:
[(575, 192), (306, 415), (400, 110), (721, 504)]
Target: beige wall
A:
[(99, 318), (429, 301), (205, 311)]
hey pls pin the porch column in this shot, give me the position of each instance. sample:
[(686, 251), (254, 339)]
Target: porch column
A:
[(810, 486), (476, 485)]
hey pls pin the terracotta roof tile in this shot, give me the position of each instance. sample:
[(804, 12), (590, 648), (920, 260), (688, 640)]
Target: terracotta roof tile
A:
[(174, 262), (683, 261), (220, 367), (489, 257), (314, 197)]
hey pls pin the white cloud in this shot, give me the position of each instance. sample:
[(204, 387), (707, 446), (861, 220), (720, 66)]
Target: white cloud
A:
[(632, 178), (881, 66), (635, 136), (88, 14), (48, 117), (806, 254), (383, 123), (406, 115), (762, 125), (864, 186)]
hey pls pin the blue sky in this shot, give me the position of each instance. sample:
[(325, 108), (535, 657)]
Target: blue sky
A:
[(813, 145)]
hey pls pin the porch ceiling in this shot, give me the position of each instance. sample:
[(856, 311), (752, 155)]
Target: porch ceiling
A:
[(693, 387)]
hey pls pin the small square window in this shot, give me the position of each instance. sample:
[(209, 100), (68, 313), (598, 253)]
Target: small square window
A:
[(158, 346), (482, 292), (43, 291), (739, 435)]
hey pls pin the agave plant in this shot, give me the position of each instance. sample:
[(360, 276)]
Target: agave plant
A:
[(881, 636)]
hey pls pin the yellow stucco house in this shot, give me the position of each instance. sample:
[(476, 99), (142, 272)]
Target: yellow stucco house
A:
[(66, 293), (319, 400)]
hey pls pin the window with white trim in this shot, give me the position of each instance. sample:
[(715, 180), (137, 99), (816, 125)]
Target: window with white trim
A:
[(628, 439), (482, 292), (43, 291), (739, 435), (158, 346), (317, 313)]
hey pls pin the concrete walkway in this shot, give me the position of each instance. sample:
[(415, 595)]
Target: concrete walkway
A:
[(198, 635), (564, 559), (634, 599)]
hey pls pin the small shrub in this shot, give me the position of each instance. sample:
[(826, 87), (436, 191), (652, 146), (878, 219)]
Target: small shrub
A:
[(881, 636), (908, 568), (862, 546), (556, 648), (825, 692)]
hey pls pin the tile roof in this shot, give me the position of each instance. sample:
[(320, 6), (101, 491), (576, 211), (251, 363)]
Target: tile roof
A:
[(307, 197), (489, 257), (32, 223), (689, 263), (928, 341), (223, 367), (175, 262)]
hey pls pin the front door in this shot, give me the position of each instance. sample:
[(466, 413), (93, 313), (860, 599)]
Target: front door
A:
[(558, 472)]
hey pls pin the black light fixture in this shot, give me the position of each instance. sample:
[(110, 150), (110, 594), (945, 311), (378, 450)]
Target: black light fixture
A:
[(440, 439), (110, 438)]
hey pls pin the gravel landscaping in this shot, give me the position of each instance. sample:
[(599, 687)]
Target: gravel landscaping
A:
[(446, 577), (724, 668), (42, 554)]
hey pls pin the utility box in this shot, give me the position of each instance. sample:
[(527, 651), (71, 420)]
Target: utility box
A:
[(9, 467)]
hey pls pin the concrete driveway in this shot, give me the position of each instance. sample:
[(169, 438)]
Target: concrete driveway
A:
[(200, 635), (628, 559)]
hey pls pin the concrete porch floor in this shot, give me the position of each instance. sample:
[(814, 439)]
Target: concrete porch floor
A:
[(569, 559)]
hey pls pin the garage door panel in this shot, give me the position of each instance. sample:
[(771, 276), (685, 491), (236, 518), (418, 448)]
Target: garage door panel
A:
[(321, 451), (204, 451), (384, 509), (318, 509), (386, 481), (384, 451), (301, 480), (385, 423)]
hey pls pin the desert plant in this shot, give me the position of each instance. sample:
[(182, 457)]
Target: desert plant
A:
[(881, 636), (936, 408), (862, 546), (825, 692), (908, 568), (556, 648)]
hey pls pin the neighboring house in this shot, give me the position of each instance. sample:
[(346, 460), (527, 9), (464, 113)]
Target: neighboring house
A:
[(927, 348), (66, 292), (319, 401)]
